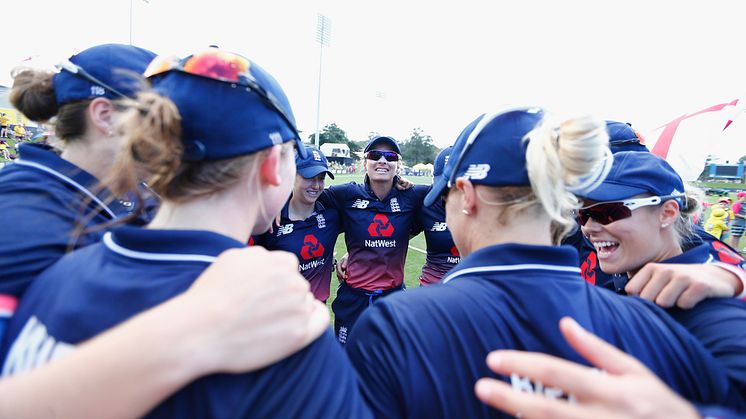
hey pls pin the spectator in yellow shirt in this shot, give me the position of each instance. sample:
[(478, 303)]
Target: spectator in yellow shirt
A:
[(715, 225), (4, 125), (20, 132)]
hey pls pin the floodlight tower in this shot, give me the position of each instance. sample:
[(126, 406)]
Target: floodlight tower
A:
[(323, 37)]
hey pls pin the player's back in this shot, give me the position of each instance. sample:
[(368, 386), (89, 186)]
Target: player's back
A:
[(133, 269), (419, 354)]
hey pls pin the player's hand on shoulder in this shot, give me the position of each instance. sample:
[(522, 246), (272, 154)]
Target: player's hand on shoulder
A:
[(253, 308), (403, 184), (682, 285)]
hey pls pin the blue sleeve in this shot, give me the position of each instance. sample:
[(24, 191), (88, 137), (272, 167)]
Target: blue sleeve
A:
[(720, 325), (316, 382), (333, 196), (376, 360)]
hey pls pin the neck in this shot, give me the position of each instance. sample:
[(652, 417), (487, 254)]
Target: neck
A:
[(218, 214), (520, 229), (298, 211), (381, 189), (91, 155)]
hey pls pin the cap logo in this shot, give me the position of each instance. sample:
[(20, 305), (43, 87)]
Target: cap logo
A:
[(477, 171), (446, 160), (316, 155), (97, 91)]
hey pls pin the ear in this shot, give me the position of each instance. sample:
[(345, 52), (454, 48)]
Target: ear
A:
[(669, 212), (269, 169), (100, 115), (468, 195)]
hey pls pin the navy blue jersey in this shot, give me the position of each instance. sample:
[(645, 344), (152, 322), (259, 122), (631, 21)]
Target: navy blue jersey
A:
[(376, 231), (44, 199), (591, 270), (419, 353), (133, 269), (442, 254), (312, 240), (719, 323)]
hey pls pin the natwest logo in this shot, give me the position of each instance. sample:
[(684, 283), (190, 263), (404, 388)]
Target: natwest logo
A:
[(454, 251), (311, 248), (380, 227)]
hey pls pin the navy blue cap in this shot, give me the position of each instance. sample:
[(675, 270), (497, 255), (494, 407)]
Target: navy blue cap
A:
[(623, 138), (490, 151), (382, 139), (634, 173), (221, 117), (313, 164), (441, 160), (118, 66)]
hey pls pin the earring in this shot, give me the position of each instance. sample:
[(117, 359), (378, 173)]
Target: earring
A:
[(465, 212), (664, 225)]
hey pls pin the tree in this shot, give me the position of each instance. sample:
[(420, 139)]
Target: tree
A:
[(418, 148), (330, 134)]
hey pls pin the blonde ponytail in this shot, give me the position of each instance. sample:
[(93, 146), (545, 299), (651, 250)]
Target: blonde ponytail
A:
[(559, 158)]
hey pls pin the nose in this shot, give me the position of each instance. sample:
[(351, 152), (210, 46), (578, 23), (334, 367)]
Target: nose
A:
[(591, 226)]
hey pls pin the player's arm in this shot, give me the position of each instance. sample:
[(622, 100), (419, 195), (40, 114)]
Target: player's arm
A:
[(250, 309), (686, 285)]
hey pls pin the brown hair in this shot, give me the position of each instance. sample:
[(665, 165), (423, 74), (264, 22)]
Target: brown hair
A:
[(33, 94), (153, 151)]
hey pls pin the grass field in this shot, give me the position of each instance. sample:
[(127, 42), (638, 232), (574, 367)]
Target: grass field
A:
[(415, 255)]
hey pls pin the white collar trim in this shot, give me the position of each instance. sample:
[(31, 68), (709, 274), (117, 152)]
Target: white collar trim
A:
[(169, 257), (66, 179), (503, 268)]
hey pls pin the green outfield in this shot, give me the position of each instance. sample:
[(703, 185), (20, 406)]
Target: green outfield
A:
[(415, 256)]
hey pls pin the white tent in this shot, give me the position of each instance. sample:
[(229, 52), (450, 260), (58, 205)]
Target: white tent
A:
[(335, 150)]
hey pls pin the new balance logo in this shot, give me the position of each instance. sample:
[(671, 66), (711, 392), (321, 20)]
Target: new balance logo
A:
[(394, 205), (284, 229), (439, 226), (477, 171), (360, 203)]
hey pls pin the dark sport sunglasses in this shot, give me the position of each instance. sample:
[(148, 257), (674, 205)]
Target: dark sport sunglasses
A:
[(607, 212), (376, 155)]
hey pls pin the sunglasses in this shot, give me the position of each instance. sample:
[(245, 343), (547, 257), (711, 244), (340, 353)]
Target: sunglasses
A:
[(606, 213), (376, 155), (79, 71), (221, 66)]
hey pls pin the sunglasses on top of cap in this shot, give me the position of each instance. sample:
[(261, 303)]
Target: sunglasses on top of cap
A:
[(376, 155), (606, 213), (221, 66), (79, 71)]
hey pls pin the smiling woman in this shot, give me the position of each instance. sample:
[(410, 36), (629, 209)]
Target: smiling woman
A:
[(308, 229), (641, 214), (378, 221)]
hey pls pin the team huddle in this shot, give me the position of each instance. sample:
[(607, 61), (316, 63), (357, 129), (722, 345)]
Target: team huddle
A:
[(528, 220)]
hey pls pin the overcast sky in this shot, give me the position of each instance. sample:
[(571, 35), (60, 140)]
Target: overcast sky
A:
[(396, 65)]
